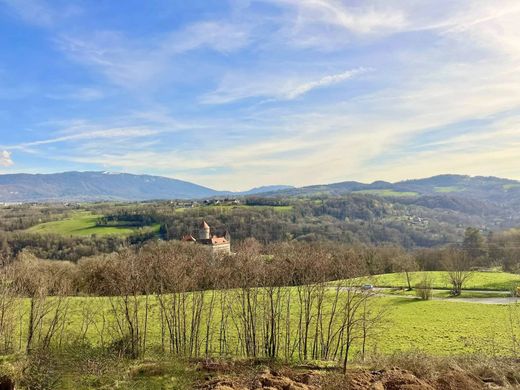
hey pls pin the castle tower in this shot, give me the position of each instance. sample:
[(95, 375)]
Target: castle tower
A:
[(204, 231)]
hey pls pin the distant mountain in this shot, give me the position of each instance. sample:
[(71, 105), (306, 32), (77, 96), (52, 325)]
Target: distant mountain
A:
[(97, 186), (103, 186), (265, 189), (93, 186), (455, 186)]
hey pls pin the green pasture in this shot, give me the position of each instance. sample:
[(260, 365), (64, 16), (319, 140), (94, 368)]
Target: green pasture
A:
[(445, 190), (388, 193), (502, 281), (434, 327), (84, 224), (446, 293), (225, 208)]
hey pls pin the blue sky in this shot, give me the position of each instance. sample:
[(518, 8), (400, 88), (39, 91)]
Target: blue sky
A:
[(235, 94)]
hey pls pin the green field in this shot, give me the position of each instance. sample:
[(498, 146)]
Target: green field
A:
[(84, 224), (478, 281), (230, 208), (510, 186), (445, 190), (388, 193), (445, 328), (434, 327)]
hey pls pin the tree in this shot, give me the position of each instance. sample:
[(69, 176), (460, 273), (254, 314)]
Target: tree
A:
[(457, 263), (5, 251), (406, 264), (474, 245)]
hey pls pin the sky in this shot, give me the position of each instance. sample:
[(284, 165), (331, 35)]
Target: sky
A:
[(237, 94)]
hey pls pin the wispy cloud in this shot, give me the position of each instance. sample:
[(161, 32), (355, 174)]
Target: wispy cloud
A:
[(137, 63), (40, 12), (80, 94), (78, 134), (278, 87)]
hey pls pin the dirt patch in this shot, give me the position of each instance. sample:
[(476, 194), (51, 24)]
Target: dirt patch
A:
[(387, 379), (397, 379), (458, 379), (392, 379), (267, 379)]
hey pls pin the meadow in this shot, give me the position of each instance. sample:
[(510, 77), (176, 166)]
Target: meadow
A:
[(227, 208), (433, 327), (495, 281), (84, 223), (388, 193)]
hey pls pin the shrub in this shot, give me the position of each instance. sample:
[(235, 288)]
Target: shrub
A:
[(423, 289)]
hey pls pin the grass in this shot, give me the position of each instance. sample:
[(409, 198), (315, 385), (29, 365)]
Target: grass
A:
[(229, 208), (510, 186), (388, 193), (502, 281), (435, 327), (446, 293), (442, 328), (84, 224), (445, 190)]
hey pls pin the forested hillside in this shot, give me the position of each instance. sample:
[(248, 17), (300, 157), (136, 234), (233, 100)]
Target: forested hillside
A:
[(409, 222)]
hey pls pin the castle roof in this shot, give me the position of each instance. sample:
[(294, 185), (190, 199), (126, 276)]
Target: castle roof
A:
[(204, 225), (188, 238), (218, 240)]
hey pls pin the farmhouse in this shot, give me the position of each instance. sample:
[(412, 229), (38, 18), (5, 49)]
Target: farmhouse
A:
[(217, 243)]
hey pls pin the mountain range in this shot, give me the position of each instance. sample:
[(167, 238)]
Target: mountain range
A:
[(105, 186)]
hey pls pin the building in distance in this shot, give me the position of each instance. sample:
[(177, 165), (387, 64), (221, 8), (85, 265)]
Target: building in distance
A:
[(216, 243)]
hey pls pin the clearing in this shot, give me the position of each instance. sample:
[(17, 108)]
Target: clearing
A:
[(388, 193), (84, 223)]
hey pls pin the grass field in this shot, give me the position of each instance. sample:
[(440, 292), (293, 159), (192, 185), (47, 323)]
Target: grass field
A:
[(434, 327), (478, 281), (84, 224), (229, 208), (388, 193), (446, 293), (445, 328), (445, 190)]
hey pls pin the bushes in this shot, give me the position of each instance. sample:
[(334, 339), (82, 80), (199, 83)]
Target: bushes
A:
[(423, 289)]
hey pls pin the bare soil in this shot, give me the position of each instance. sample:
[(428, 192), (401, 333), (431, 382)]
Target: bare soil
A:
[(388, 379)]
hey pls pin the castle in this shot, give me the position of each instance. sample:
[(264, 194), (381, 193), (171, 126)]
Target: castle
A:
[(217, 244)]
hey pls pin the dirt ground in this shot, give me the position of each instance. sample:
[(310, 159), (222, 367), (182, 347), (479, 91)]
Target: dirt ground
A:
[(390, 379)]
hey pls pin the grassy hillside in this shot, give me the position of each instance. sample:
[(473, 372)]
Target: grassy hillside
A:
[(84, 224), (388, 193), (478, 281)]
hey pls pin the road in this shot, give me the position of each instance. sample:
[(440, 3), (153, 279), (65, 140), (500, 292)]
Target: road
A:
[(506, 300)]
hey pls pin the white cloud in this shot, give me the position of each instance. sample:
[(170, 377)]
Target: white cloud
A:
[(137, 63), (278, 87), (40, 12), (5, 159), (217, 35)]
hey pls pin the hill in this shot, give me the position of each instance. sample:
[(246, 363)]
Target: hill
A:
[(476, 187), (93, 186), (456, 192)]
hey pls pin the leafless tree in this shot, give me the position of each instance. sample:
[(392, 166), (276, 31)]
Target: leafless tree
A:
[(457, 264)]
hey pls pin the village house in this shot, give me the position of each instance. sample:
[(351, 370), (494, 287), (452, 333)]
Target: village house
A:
[(216, 243)]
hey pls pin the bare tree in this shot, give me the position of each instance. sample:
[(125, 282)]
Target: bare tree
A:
[(457, 264)]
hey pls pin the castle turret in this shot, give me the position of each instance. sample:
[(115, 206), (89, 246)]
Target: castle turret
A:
[(204, 231)]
